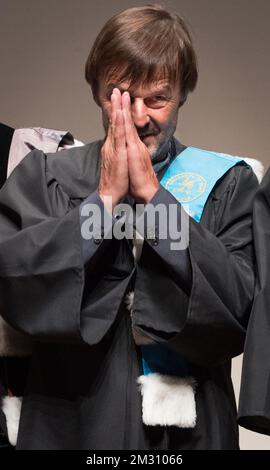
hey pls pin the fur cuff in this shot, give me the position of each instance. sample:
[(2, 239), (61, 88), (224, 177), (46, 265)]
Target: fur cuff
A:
[(168, 400), (11, 407), (129, 299)]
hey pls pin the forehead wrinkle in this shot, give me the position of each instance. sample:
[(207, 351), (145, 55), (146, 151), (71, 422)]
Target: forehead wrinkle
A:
[(159, 87)]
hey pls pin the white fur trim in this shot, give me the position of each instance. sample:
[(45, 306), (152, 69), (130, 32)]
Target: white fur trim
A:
[(12, 342), (138, 241), (256, 166), (168, 400), (129, 299), (11, 406)]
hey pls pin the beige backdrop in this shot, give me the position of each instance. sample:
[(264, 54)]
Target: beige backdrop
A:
[(44, 45)]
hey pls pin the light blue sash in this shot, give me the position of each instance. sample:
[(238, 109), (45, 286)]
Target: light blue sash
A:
[(190, 179), (192, 175)]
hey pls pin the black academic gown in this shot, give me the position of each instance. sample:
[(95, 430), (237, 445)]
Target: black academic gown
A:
[(254, 401), (82, 391)]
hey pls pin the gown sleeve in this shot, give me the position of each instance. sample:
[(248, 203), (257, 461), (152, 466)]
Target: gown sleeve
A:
[(207, 326), (46, 290), (254, 401)]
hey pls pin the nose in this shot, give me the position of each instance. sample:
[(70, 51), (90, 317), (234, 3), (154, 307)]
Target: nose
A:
[(139, 112)]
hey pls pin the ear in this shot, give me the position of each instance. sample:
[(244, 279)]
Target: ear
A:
[(96, 99), (182, 101)]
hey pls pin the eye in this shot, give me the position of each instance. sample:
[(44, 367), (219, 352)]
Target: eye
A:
[(159, 98), (157, 101)]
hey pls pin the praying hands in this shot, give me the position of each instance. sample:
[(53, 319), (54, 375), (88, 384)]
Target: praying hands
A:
[(126, 162)]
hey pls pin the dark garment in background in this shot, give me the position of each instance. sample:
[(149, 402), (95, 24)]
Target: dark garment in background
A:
[(12, 370), (82, 391), (15, 347), (254, 402), (6, 134), (3, 391)]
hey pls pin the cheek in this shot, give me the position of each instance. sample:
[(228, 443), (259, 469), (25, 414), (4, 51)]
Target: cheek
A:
[(165, 118)]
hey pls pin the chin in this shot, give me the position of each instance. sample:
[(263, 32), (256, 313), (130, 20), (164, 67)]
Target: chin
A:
[(153, 150), (156, 150)]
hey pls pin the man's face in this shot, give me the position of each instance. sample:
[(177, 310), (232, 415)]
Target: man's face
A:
[(154, 110)]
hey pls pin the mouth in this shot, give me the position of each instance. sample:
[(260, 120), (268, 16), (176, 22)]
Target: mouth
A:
[(146, 135)]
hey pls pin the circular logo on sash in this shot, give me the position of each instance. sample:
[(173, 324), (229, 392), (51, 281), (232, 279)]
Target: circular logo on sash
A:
[(186, 187)]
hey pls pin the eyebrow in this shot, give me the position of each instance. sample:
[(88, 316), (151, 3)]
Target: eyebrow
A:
[(162, 89)]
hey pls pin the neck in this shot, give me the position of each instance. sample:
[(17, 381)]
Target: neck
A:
[(163, 158), (162, 153)]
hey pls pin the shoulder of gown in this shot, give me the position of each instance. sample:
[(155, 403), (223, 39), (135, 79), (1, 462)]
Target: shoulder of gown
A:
[(76, 169)]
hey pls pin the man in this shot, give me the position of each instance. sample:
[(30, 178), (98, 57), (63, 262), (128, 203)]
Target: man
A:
[(130, 353), (254, 401)]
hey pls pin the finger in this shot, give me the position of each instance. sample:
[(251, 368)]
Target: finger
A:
[(115, 105), (119, 133), (113, 98), (131, 131), (118, 128), (111, 116), (118, 100)]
